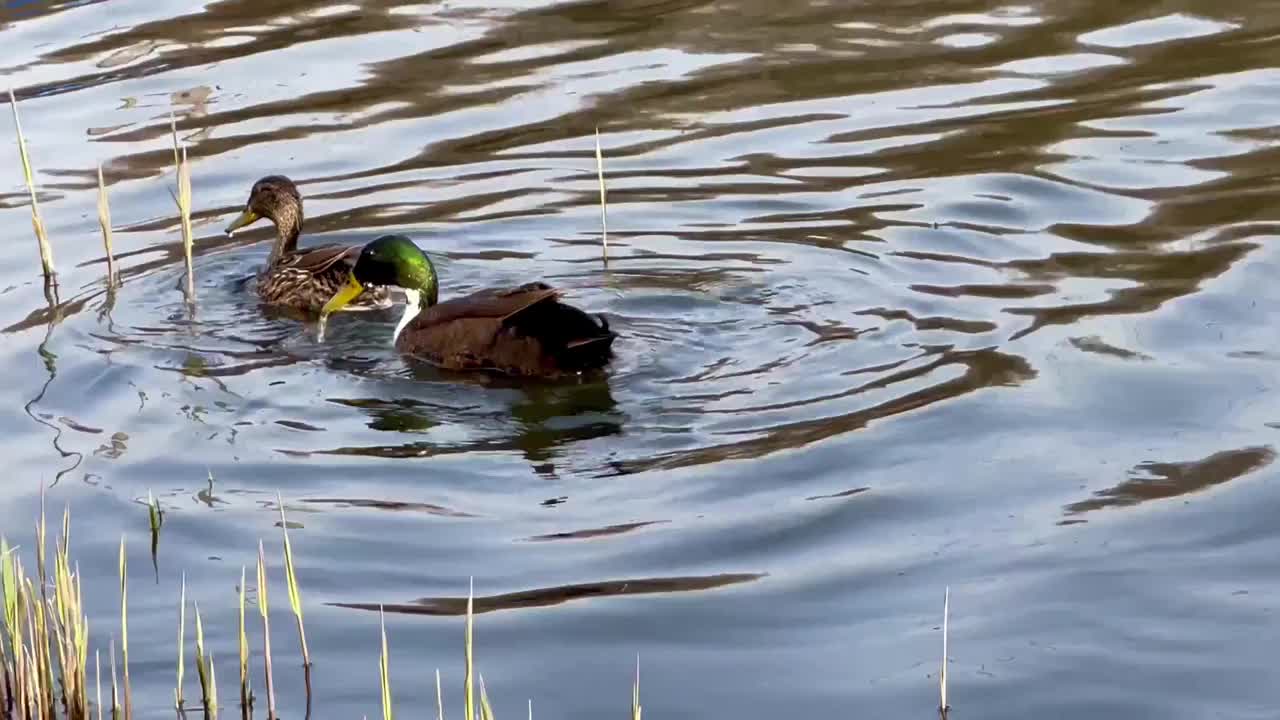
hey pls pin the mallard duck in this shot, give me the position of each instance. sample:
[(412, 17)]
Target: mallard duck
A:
[(301, 279), (523, 331)]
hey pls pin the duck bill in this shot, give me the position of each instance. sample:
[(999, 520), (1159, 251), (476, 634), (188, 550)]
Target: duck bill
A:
[(248, 217), (340, 299)]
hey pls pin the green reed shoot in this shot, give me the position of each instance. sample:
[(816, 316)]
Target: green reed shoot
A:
[(155, 516), (42, 238), (266, 631), (384, 669), (486, 710), (208, 693), (295, 599), (604, 215), (244, 653), (212, 707), (124, 638), (104, 220), (636, 710), (943, 707), (439, 697), (182, 645), (468, 684)]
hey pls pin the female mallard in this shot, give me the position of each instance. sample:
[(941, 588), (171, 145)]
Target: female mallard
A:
[(523, 330), (301, 279)]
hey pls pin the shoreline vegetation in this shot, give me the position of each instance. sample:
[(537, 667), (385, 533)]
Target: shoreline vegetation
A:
[(45, 669)]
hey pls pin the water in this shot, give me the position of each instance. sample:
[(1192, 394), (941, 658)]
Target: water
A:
[(912, 295)]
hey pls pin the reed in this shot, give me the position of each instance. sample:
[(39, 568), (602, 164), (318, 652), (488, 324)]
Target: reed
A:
[(467, 682), (245, 690), (183, 199), (636, 710), (37, 224), (291, 578), (104, 220), (208, 694), (943, 707), (604, 214), (384, 668), (439, 698), (266, 631), (124, 639), (182, 630), (486, 710)]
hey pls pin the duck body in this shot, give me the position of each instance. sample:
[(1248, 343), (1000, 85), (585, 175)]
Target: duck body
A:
[(524, 331), (301, 279)]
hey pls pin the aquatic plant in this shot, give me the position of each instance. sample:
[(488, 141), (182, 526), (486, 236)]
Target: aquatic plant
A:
[(44, 643), (37, 224)]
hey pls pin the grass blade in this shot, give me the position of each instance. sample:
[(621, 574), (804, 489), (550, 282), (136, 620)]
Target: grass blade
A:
[(97, 663), (202, 666), (115, 688), (636, 710), (604, 214), (182, 629), (439, 698), (486, 710), (943, 707), (468, 683), (46, 250), (384, 669), (124, 637), (244, 652), (266, 631), (291, 577), (184, 209), (104, 219)]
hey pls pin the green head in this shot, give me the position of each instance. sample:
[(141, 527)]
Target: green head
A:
[(391, 260)]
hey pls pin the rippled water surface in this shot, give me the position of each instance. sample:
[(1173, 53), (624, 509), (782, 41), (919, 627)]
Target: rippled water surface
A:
[(911, 294)]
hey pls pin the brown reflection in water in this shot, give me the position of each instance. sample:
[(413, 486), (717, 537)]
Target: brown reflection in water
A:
[(544, 597), (595, 532), (1098, 346), (842, 494), (392, 505), (1158, 480)]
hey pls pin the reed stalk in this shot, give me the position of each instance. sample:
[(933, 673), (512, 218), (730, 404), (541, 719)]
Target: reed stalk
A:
[(97, 665), (467, 682), (291, 577), (943, 707), (384, 668), (244, 654), (178, 699), (202, 662), (104, 220), (439, 697), (486, 710), (37, 224), (124, 639), (636, 710), (604, 215), (184, 208), (266, 631), (115, 688)]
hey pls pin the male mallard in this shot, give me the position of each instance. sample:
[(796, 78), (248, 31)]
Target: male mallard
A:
[(301, 279), (523, 330)]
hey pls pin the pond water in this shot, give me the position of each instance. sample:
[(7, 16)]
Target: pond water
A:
[(912, 295)]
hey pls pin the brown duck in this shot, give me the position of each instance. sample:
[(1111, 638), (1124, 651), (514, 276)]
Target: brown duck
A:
[(524, 331), (301, 279)]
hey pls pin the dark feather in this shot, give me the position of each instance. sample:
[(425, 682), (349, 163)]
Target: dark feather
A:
[(524, 330)]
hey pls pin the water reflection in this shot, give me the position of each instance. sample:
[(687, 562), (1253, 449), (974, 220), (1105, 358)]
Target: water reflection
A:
[(1162, 480), (545, 597)]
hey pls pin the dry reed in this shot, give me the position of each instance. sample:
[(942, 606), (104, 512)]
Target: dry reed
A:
[(37, 224)]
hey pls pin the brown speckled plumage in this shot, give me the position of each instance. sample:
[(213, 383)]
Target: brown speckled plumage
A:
[(300, 279)]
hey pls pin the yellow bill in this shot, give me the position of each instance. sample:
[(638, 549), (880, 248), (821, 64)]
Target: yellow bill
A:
[(248, 217), (340, 299)]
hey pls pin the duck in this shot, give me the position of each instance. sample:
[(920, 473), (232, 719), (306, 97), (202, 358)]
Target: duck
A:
[(524, 331), (299, 279)]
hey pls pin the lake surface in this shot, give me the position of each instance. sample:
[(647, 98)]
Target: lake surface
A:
[(913, 295)]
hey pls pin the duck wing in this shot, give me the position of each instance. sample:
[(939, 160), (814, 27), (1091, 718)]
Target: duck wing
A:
[(320, 259), (524, 330)]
